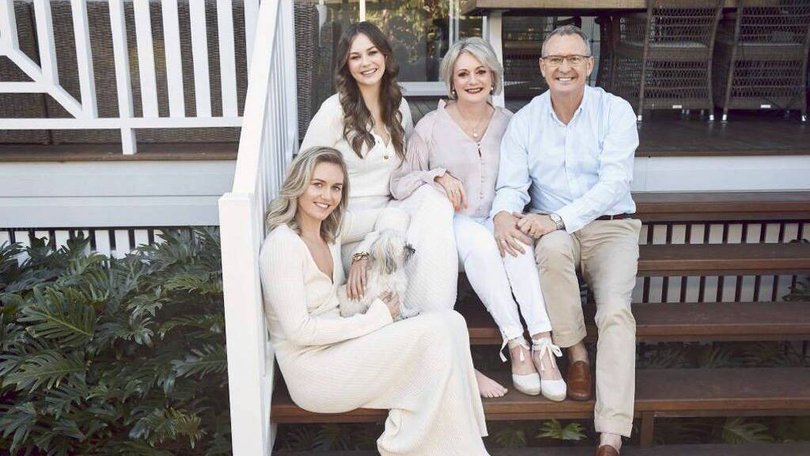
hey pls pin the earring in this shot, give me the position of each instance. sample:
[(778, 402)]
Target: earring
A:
[(453, 92), (492, 89)]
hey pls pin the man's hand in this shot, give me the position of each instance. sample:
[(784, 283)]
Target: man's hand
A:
[(535, 225), (454, 190), (356, 283), (507, 235)]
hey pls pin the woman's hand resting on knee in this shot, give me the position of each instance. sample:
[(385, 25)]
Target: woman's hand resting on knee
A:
[(391, 299), (454, 190)]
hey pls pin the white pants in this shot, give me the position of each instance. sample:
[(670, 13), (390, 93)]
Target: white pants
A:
[(491, 275), (433, 271)]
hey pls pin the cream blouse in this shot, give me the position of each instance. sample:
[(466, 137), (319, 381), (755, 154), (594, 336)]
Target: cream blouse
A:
[(439, 145), (369, 176)]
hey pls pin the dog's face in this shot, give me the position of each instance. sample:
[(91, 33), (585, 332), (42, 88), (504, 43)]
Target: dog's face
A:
[(390, 252)]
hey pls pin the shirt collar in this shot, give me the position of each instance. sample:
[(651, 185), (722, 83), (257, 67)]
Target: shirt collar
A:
[(582, 105)]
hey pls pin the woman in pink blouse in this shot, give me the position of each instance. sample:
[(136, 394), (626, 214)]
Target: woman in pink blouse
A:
[(456, 149)]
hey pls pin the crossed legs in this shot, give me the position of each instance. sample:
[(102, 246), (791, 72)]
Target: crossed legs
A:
[(494, 280)]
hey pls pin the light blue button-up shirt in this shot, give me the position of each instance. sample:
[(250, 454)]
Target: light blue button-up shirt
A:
[(579, 171)]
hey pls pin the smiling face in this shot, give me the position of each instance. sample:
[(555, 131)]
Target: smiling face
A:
[(472, 80), (365, 61), (323, 194), (566, 79)]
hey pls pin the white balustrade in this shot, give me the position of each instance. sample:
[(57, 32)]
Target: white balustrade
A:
[(44, 76), (266, 146)]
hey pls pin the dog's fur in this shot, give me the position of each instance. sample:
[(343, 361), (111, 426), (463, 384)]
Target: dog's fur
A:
[(388, 255)]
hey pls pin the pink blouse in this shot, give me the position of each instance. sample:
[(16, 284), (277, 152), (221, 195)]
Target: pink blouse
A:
[(439, 145)]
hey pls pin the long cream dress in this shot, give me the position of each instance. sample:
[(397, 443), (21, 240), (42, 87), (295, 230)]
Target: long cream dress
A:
[(433, 273), (420, 368)]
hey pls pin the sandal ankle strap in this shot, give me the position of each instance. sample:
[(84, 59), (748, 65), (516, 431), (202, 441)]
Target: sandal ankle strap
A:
[(543, 345), (512, 343)]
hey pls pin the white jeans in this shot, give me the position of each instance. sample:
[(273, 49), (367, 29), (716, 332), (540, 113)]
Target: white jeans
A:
[(491, 275)]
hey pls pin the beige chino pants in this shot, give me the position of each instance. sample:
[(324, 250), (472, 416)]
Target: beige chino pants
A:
[(606, 254)]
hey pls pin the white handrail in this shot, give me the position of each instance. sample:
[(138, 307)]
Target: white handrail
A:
[(266, 146), (44, 77)]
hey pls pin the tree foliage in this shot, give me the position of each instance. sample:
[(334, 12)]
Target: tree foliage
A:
[(113, 356)]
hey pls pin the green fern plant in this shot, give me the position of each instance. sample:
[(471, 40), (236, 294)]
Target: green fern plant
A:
[(738, 430), (555, 430), (114, 356)]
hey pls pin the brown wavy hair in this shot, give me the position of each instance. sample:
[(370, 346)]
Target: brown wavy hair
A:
[(357, 120)]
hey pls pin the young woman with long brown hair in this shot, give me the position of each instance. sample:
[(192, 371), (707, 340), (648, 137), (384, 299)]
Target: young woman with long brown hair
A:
[(368, 121)]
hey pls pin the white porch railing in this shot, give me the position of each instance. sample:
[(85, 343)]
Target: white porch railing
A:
[(84, 112), (267, 144)]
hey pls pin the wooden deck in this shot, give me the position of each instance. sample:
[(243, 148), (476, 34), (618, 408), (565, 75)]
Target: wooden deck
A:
[(666, 134), (663, 134)]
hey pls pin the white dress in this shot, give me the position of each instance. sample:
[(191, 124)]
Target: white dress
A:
[(433, 272), (420, 368)]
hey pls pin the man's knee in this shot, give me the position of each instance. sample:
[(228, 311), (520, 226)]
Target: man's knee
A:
[(555, 249), (613, 314)]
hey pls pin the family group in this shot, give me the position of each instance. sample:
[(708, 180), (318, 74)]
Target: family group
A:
[(523, 203)]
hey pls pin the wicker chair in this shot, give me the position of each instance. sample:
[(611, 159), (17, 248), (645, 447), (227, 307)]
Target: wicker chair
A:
[(607, 38), (760, 59), (663, 58), (522, 43)]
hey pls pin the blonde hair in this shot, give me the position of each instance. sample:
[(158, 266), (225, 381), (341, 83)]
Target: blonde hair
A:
[(283, 209), (482, 51)]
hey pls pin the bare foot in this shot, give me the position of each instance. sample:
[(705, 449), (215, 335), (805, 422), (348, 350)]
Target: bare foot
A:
[(488, 387)]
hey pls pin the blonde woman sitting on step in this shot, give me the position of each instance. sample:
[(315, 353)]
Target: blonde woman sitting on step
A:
[(419, 369)]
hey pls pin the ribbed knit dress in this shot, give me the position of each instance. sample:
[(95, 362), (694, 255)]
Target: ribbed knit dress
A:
[(433, 272), (420, 368)]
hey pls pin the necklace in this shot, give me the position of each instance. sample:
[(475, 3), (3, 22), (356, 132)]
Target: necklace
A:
[(476, 126)]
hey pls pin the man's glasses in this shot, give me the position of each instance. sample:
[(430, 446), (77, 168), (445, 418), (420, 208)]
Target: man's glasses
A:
[(573, 59)]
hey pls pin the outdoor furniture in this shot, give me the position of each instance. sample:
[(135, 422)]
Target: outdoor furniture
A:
[(522, 48), (760, 59), (663, 58), (604, 76)]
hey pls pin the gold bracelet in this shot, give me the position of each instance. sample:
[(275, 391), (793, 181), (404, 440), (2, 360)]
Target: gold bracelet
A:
[(359, 256)]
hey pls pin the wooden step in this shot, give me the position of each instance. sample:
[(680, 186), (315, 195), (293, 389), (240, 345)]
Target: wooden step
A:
[(722, 206), (659, 392), (666, 322), (723, 259), (775, 449)]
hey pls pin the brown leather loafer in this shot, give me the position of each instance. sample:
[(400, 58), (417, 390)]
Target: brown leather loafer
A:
[(579, 381), (606, 450)]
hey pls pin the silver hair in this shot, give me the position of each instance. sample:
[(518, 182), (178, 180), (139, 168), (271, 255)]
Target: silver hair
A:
[(565, 30), (482, 51)]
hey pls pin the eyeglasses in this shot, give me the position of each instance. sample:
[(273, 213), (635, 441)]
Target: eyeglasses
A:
[(573, 59)]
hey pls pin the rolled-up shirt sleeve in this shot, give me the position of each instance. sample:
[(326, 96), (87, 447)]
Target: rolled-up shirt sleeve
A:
[(615, 171), (512, 189)]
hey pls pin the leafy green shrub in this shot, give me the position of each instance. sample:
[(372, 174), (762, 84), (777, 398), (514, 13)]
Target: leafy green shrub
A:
[(114, 356)]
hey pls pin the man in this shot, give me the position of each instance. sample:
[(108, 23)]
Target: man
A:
[(568, 155)]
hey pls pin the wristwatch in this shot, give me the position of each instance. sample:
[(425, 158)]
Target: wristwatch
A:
[(558, 221)]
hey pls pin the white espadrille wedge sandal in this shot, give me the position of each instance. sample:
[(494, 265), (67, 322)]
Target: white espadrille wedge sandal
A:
[(553, 390)]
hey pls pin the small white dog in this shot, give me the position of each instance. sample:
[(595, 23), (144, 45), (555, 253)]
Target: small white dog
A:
[(387, 258)]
